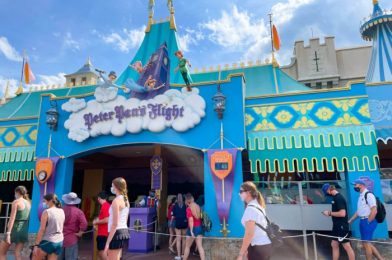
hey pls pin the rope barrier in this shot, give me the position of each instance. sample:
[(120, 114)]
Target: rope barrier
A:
[(355, 239)]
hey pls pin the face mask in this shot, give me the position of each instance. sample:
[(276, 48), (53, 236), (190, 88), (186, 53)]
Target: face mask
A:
[(357, 189), (152, 194), (112, 190), (44, 205), (243, 196)]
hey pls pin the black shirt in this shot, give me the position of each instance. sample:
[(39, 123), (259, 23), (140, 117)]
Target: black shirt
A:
[(339, 203)]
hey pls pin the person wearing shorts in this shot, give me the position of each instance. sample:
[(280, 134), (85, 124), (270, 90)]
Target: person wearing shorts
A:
[(195, 230), (340, 226), (49, 240), (366, 211), (102, 224)]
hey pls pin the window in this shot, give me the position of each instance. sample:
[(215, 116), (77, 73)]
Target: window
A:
[(84, 81), (308, 85), (73, 82), (319, 85), (329, 84)]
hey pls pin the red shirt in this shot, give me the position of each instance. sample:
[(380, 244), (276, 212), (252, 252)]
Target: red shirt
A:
[(75, 221), (196, 221), (103, 213), (169, 211)]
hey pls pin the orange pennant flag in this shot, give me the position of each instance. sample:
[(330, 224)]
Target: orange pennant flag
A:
[(275, 38), (28, 74)]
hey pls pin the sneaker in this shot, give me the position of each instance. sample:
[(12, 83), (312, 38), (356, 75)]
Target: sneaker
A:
[(177, 258)]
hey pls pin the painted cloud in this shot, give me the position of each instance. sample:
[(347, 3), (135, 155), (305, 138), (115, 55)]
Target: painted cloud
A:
[(74, 105), (180, 110)]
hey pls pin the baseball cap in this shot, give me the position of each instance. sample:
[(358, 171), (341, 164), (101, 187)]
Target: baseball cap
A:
[(325, 188), (359, 181)]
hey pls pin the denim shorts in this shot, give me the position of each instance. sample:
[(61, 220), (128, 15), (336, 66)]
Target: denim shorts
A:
[(197, 231), (171, 223), (367, 229), (50, 247)]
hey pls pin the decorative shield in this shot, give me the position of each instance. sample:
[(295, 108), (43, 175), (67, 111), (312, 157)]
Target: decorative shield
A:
[(44, 169), (221, 164)]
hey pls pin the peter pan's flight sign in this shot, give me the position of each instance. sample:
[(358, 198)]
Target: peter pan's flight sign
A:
[(120, 113), (117, 115)]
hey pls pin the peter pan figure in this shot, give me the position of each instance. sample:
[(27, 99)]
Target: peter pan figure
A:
[(182, 66)]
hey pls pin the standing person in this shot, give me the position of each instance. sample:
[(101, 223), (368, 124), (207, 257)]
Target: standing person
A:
[(182, 67), (49, 240), (171, 225), (340, 227), (195, 229), (256, 243), (74, 226), (117, 223), (17, 228), (181, 224), (366, 211), (102, 223)]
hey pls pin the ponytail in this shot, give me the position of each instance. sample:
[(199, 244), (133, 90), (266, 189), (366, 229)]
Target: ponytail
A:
[(125, 195), (52, 197), (57, 202), (260, 200)]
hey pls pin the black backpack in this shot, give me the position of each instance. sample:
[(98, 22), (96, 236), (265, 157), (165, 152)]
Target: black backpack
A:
[(381, 212), (206, 222), (273, 230)]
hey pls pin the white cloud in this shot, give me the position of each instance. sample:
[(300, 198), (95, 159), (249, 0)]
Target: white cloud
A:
[(126, 40), (184, 111), (8, 50), (70, 42), (191, 37), (238, 30), (49, 80), (284, 12), (74, 105)]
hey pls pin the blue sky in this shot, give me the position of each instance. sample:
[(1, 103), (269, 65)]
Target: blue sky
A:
[(58, 36)]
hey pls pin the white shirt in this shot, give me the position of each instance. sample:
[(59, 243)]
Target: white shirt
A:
[(253, 214), (363, 208), (122, 218)]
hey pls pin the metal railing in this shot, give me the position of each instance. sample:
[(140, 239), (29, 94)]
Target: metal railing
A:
[(4, 217)]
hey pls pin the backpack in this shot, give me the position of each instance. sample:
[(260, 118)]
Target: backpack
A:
[(381, 212), (273, 230), (206, 222)]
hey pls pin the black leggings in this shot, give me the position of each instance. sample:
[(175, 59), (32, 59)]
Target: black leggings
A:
[(260, 252)]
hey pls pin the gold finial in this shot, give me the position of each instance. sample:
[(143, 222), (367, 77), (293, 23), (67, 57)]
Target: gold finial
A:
[(19, 90), (171, 19), (151, 5), (375, 2)]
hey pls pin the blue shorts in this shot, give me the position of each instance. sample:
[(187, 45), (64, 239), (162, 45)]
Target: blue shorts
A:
[(197, 231), (367, 229), (50, 247), (171, 223)]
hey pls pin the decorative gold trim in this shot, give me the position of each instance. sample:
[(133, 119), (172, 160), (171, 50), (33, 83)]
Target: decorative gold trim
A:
[(203, 83), (314, 91), (5, 126), (306, 101), (18, 118), (378, 83), (226, 67), (75, 96)]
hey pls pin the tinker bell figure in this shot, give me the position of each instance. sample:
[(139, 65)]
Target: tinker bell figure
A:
[(182, 67)]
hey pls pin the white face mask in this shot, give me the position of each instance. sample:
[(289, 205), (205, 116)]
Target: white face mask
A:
[(243, 196), (113, 190)]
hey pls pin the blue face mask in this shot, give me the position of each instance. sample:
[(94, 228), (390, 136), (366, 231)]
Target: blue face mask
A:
[(44, 205)]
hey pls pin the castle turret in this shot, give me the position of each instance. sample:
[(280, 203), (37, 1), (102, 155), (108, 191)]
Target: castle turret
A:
[(84, 76), (378, 28)]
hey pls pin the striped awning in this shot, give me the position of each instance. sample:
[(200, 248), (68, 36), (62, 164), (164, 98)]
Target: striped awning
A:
[(320, 149), (17, 164)]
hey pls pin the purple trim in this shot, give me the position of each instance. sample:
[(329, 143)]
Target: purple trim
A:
[(156, 171)]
